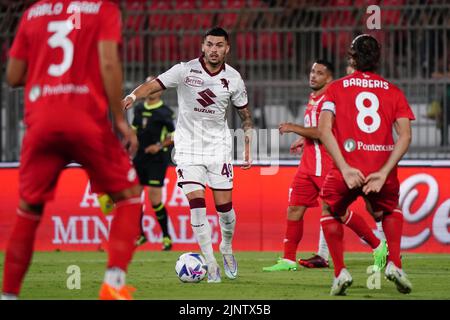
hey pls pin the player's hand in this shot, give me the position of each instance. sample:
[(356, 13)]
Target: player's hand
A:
[(374, 182), (297, 146), (353, 177), (247, 156), (129, 138), (127, 102), (153, 148), (285, 127)]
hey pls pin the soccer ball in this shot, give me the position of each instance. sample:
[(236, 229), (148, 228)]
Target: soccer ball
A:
[(191, 267)]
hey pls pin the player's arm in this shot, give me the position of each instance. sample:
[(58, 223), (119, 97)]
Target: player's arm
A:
[(375, 181), (352, 176), (16, 72), (310, 132), (142, 91), (111, 71), (247, 126)]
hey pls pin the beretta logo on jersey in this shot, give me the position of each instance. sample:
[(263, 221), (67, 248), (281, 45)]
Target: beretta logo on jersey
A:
[(349, 145), (193, 81)]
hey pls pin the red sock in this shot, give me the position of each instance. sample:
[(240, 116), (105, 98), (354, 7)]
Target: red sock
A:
[(125, 229), (334, 235), (392, 227), (294, 233), (360, 227), (19, 251)]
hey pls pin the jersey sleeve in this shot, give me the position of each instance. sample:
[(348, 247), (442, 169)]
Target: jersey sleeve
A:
[(19, 48), (135, 123), (111, 23), (403, 110), (239, 97), (172, 77), (329, 100)]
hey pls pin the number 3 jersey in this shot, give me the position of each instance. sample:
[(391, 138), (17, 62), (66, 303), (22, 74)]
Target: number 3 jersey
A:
[(58, 40), (202, 135), (366, 107)]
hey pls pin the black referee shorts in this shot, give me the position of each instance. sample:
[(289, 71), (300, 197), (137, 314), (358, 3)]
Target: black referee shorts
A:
[(151, 173)]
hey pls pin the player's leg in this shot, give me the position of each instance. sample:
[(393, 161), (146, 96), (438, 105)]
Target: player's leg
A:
[(39, 170), (337, 197), (155, 197), (192, 179), (292, 237), (227, 222)]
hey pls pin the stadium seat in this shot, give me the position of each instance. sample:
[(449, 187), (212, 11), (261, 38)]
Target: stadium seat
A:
[(165, 48), (158, 21), (135, 19), (190, 45), (228, 20), (246, 46)]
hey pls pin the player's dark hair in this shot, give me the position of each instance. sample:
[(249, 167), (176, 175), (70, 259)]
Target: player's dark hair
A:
[(365, 51), (327, 64), (216, 32)]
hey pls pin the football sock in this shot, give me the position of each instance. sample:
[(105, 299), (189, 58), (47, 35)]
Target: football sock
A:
[(201, 228), (125, 229), (227, 222), (294, 233), (334, 235), (115, 277), (392, 226), (360, 227), (323, 247), (161, 216), (19, 251), (380, 230)]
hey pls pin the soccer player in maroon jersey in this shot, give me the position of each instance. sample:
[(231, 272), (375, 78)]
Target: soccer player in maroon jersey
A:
[(358, 114), (304, 191), (66, 55)]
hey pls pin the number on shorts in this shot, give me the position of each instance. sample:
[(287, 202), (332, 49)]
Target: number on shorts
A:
[(227, 170), (61, 30), (368, 112)]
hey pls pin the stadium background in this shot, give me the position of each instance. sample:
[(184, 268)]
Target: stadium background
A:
[(273, 44)]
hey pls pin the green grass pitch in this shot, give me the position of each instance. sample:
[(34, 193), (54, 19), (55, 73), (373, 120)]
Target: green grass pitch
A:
[(152, 273)]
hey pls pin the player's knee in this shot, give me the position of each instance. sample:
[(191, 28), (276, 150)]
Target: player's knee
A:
[(296, 212), (132, 192), (226, 207)]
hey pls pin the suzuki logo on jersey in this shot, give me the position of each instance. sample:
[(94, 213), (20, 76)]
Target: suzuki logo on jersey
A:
[(349, 145), (206, 101), (225, 83)]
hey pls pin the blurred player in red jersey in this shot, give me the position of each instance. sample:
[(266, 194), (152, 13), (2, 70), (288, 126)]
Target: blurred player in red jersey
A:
[(304, 191), (67, 58), (358, 114)]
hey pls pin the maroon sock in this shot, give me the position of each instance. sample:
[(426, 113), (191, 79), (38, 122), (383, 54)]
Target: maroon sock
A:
[(19, 251), (392, 227), (334, 235), (360, 227), (125, 229), (294, 233)]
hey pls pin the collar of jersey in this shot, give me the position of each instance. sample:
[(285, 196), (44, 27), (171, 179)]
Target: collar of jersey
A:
[(202, 62), (153, 106)]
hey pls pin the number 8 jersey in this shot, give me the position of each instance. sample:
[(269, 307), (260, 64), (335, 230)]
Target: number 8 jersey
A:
[(59, 42), (366, 107)]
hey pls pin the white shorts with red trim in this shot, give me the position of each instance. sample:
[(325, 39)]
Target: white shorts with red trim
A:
[(218, 176)]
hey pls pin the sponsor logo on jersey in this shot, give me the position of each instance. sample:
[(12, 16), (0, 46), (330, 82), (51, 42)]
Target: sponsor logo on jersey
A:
[(35, 93), (131, 175), (193, 81), (349, 145), (196, 71), (375, 147)]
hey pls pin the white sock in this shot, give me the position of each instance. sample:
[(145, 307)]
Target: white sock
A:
[(323, 247), (380, 230), (227, 222), (115, 277), (9, 296), (202, 231)]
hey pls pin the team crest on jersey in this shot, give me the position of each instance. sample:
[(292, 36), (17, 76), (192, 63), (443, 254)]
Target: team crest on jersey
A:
[(35, 93), (349, 145), (225, 83), (180, 174)]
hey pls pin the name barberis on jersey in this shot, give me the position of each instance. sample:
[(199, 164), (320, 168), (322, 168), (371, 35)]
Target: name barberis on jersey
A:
[(365, 83), (51, 9)]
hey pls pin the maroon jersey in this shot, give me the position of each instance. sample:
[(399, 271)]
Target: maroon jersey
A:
[(315, 160), (366, 107), (59, 42)]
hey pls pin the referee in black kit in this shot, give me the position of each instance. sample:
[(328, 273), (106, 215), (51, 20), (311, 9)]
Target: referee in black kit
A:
[(154, 124)]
